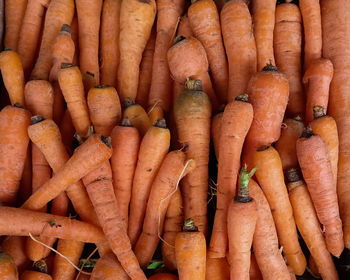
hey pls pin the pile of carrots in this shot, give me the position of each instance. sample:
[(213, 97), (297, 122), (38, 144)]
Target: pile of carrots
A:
[(106, 127)]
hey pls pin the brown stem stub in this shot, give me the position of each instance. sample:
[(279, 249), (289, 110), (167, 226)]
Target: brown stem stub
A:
[(65, 65), (65, 28), (37, 119), (307, 133), (161, 123), (40, 266), (7, 49), (189, 226), (242, 97), (263, 148), (126, 122), (270, 67), (193, 85), (102, 86), (298, 118), (178, 39), (128, 102), (106, 141), (319, 111), (293, 175), (18, 105)]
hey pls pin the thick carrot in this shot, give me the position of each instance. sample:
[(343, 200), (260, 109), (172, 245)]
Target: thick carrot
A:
[(125, 145), (70, 81), (317, 79), (14, 13), (145, 77), (163, 276), (62, 269), (136, 20), (14, 140), (286, 144), (326, 127), (59, 12), (12, 75), (308, 224), (108, 268), (174, 167), (172, 225), (34, 275), (254, 271), (8, 268), (190, 251), (187, 58), (154, 147), (15, 246), (263, 12), (311, 13), (314, 160), (335, 46), (192, 116), (104, 108), (287, 49), (20, 222), (168, 15), (265, 241), (137, 116), (217, 269), (271, 179), (99, 186), (236, 121), (236, 24), (89, 17), (109, 42)]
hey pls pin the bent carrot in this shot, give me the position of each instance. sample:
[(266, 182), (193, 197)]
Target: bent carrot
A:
[(108, 268), (314, 160), (8, 268)]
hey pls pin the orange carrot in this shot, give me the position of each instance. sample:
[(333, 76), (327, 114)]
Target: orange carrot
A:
[(155, 112), (184, 28), (163, 276), (308, 224), (311, 13), (174, 167), (70, 80), (12, 75), (254, 272), (317, 78), (313, 268), (286, 144), (35, 275), (75, 37), (125, 145), (89, 81), (190, 250), (240, 46), (192, 116), (154, 147), (14, 13), (287, 48), (104, 108), (8, 269), (236, 121), (314, 160), (108, 268), (2, 20), (172, 225), (109, 42), (217, 269), (265, 241), (136, 20), (15, 246), (67, 131), (25, 189), (271, 179), (215, 131), (59, 12), (14, 122)]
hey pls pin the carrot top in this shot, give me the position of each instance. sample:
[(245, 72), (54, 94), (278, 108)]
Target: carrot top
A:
[(307, 133), (242, 97), (244, 177), (270, 67), (318, 111), (189, 226)]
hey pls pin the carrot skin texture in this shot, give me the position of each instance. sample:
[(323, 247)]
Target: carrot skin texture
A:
[(163, 276), (215, 131), (108, 268), (254, 271), (217, 269), (184, 28), (8, 268), (31, 275), (15, 246)]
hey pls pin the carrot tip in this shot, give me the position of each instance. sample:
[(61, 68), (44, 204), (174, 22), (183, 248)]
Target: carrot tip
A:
[(293, 175), (307, 133), (65, 28), (161, 123), (126, 122), (37, 119), (189, 226)]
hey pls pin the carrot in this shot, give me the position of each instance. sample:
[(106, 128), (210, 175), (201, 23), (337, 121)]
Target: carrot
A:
[(286, 144), (163, 276), (89, 17), (168, 16), (215, 130), (265, 241), (254, 271), (67, 131), (104, 109), (240, 46), (236, 121), (89, 81), (8, 269), (15, 246), (136, 20), (12, 75), (308, 224), (174, 167), (335, 46), (313, 267), (271, 179), (192, 116), (184, 29), (108, 268), (155, 112), (34, 275), (145, 77), (187, 58), (14, 13), (263, 12), (70, 81), (2, 20), (311, 13), (25, 188), (172, 225), (137, 116), (99, 186), (62, 269), (317, 79), (109, 42), (287, 49), (154, 147), (59, 12), (314, 160), (190, 251), (326, 127), (217, 269), (14, 122), (75, 37)]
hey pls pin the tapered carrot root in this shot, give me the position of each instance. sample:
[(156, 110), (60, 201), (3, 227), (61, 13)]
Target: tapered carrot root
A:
[(317, 79), (108, 268), (236, 23)]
